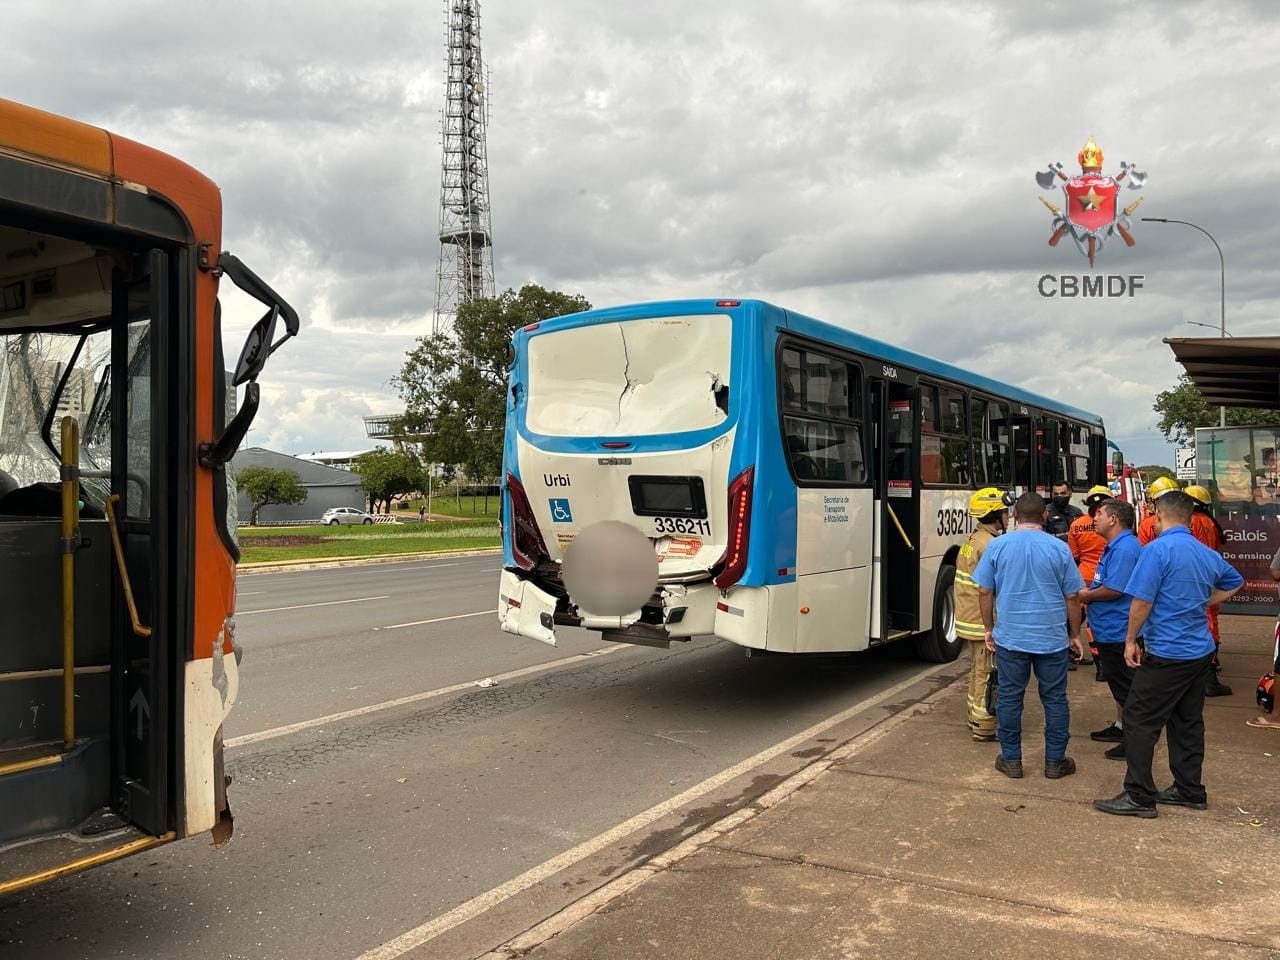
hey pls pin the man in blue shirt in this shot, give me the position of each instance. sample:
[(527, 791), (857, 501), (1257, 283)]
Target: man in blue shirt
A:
[(1027, 584), (1108, 609), (1176, 578)]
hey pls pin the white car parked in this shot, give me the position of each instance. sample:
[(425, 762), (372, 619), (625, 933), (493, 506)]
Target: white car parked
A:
[(338, 515)]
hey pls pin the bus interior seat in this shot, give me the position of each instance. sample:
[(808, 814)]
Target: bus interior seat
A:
[(42, 500)]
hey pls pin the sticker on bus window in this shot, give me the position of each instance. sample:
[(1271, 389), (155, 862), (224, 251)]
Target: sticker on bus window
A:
[(899, 406), (899, 488)]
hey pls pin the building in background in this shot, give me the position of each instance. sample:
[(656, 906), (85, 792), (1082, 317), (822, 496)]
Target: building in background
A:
[(326, 486)]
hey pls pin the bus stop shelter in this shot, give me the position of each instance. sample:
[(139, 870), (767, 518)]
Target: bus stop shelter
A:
[(1238, 465), (1232, 371)]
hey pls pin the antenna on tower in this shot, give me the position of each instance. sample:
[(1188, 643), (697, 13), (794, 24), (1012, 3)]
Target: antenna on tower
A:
[(465, 270)]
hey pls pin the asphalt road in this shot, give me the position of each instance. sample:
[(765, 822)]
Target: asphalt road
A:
[(350, 832)]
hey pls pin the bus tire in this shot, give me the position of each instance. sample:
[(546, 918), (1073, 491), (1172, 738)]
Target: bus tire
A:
[(942, 644)]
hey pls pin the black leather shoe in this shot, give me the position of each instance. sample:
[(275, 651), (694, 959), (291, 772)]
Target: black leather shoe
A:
[(1123, 805), (1108, 734), (1176, 798), (1116, 753), (1057, 769), (1010, 768)]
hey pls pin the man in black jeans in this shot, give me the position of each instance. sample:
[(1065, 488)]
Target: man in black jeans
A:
[(1175, 579)]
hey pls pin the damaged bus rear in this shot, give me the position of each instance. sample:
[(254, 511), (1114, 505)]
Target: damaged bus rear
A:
[(631, 415)]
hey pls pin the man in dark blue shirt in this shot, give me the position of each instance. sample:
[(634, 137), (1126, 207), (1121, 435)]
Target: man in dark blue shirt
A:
[(1174, 581), (1108, 607)]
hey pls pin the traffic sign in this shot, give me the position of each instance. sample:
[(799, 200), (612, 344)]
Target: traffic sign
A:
[(1184, 459)]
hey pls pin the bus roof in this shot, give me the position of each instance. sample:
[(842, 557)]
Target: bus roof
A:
[(840, 336), (29, 132)]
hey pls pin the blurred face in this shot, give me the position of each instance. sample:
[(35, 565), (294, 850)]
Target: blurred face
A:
[(1104, 524)]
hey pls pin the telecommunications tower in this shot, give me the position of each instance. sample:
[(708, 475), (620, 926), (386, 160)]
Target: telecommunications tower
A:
[(465, 270)]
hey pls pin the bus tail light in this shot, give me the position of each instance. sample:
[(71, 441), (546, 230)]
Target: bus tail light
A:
[(734, 562), (527, 544)]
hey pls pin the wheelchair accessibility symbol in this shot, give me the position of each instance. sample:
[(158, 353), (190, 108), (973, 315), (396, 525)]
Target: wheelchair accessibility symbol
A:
[(560, 512)]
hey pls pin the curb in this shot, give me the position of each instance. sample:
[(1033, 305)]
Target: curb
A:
[(276, 566)]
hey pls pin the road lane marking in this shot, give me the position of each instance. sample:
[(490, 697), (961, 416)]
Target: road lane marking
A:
[(291, 728), (474, 907), (419, 623), (304, 606)]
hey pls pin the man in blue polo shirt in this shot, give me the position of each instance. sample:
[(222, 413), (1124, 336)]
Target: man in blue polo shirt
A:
[(1108, 608), (1027, 584), (1175, 580)]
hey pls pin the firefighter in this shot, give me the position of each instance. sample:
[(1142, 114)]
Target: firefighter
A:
[(1206, 529), (1158, 488), (989, 508), (1086, 549)]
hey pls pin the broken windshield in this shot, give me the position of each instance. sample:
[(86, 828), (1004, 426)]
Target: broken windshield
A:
[(631, 378), (58, 373)]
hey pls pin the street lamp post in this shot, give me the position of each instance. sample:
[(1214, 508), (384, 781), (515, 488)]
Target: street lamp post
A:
[(1222, 265)]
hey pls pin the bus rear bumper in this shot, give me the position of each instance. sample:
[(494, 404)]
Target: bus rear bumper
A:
[(525, 609)]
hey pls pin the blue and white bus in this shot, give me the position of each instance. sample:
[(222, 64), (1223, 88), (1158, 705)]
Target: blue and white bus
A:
[(804, 486)]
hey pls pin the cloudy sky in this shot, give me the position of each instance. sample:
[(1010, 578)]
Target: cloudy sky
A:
[(869, 163)]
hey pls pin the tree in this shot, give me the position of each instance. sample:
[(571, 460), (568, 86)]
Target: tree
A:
[(1153, 470), (387, 474), (454, 383), (267, 485), (1182, 409)]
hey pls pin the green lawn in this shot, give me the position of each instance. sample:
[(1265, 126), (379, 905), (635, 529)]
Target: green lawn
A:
[(446, 505), (261, 544)]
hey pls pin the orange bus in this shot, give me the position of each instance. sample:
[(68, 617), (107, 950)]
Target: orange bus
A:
[(118, 660)]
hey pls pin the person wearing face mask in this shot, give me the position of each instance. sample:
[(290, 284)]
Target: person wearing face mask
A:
[(988, 508), (1062, 512)]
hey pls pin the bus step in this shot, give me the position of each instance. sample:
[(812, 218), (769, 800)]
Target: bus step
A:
[(33, 861), (891, 635), (29, 757)]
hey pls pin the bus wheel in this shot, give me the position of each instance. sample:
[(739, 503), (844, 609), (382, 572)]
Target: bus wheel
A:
[(942, 644)]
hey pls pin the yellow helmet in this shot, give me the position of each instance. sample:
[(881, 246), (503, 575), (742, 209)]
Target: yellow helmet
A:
[(985, 501), (1097, 494), (1160, 486), (1197, 492)]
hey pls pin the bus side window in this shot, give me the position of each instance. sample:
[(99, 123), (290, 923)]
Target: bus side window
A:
[(989, 427), (822, 414), (944, 441), (1076, 448)]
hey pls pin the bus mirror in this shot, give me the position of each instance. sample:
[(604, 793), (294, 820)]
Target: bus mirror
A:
[(261, 342), (256, 349), (220, 452)]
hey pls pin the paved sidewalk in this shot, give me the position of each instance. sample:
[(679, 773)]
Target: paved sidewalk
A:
[(911, 845)]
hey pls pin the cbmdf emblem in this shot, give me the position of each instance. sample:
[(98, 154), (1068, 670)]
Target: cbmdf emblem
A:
[(1091, 211)]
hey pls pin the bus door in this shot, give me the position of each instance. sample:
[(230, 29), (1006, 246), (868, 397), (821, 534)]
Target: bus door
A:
[(143, 669), (897, 580), (1022, 450)]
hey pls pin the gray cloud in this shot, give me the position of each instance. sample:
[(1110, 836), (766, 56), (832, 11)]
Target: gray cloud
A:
[(867, 163)]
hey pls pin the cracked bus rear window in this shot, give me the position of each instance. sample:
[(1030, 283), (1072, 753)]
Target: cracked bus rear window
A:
[(631, 377)]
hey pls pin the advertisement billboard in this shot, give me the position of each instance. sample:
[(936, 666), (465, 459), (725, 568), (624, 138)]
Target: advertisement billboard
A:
[(1239, 467)]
